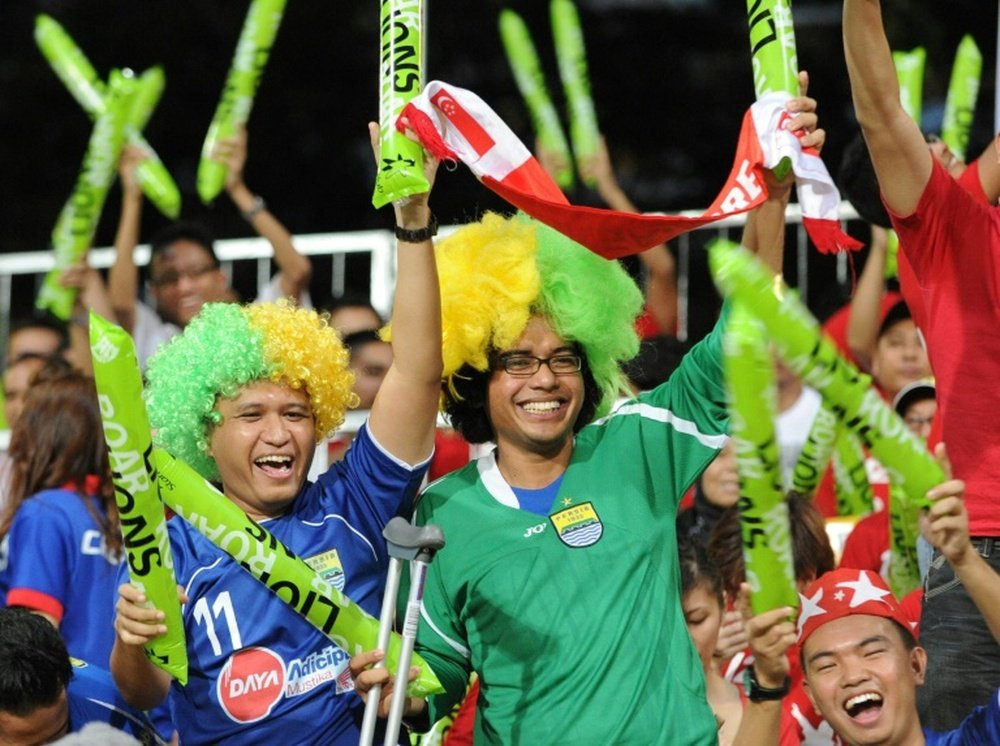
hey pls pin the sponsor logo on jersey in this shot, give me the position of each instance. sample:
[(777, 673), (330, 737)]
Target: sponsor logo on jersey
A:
[(251, 683), (329, 664), (578, 526), (328, 566)]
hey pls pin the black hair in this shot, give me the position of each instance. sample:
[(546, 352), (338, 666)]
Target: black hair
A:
[(34, 663), (898, 312), (183, 230), (857, 181), (465, 401), (658, 358), (698, 567), (42, 320)]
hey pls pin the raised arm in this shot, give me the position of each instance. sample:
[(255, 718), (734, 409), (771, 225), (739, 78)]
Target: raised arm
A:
[(949, 530), (989, 170), (123, 277), (899, 154), (661, 272), (404, 413), (295, 268), (863, 322)]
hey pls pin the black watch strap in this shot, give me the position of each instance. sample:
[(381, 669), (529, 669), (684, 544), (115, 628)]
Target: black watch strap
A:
[(421, 234), (757, 693)]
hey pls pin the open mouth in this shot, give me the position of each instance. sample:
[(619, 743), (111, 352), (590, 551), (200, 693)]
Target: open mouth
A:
[(541, 407), (275, 465), (864, 707)]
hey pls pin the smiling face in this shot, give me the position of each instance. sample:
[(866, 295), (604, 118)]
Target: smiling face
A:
[(184, 277), (263, 447), (535, 414), (863, 680)]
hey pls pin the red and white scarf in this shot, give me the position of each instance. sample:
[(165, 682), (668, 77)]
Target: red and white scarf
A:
[(455, 124)]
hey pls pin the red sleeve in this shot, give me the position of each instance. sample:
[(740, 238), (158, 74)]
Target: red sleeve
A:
[(36, 601)]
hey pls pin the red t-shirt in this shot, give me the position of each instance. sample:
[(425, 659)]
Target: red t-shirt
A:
[(953, 243), (867, 546)]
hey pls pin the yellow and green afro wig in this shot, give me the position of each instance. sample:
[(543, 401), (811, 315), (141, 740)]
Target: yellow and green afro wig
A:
[(228, 346), (498, 273)]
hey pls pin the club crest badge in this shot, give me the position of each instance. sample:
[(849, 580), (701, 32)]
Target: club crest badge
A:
[(329, 567), (578, 526)]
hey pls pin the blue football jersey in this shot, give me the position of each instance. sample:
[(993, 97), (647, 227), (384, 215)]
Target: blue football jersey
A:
[(92, 697), (258, 671)]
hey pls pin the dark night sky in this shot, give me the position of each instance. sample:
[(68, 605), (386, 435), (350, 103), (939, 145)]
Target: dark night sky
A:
[(670, 80)]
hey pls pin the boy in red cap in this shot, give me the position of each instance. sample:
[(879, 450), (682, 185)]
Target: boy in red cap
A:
[(859, 653)]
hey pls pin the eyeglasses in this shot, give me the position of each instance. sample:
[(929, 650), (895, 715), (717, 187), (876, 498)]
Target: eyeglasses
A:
[(171, 277), (914, 421), (522, 366)]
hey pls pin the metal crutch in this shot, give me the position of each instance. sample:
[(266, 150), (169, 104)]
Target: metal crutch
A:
[(405, 543)]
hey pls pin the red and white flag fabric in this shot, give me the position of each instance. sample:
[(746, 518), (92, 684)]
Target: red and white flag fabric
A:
[(455, 124)]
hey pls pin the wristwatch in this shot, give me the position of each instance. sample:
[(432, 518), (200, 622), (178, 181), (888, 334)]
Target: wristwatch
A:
[(421, 234), (757, 693)]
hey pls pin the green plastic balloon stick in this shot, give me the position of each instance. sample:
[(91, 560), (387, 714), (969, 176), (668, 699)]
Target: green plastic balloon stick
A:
[(773, 54), (148, 90), (891, 254), (130, 453), (816, 452), (260, 27), (572, 58), (78, 75), (963, 91), (904, 570), (530, 81), (799, 342), (910, 73), (77, 222), (274, 565), (850, 477), (767, 536), (401, 78)]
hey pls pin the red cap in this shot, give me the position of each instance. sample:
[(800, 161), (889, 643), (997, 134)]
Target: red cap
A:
[(845, 592)]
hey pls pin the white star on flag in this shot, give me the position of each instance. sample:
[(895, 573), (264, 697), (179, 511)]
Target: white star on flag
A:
[(864, 591), (839, 595), (810, 608)]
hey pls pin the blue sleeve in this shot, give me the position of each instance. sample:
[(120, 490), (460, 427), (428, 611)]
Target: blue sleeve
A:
[(41, 552), (980, 728)]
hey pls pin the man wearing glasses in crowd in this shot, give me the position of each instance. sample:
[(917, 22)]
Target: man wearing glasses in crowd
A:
[(184, 272)]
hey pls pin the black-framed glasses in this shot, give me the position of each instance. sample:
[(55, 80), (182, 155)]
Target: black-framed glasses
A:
[(563, 364), (171, 277)]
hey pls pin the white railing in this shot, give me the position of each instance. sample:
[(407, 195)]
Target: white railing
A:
[(31, 266)]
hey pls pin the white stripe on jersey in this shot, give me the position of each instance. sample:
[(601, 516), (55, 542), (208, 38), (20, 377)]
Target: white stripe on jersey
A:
[(187, 588), (685, 427), (454, 645), (353, 530)]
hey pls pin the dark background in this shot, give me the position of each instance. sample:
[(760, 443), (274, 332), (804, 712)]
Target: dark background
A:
[(670, 81)]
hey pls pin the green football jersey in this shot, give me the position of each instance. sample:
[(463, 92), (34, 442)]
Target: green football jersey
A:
[(573, 621)]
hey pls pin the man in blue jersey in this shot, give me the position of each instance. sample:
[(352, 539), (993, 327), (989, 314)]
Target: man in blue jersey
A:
[(45, 695), (861, 661), (243, 396)]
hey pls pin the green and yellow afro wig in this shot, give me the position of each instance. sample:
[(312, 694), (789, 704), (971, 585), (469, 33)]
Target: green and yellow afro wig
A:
[(228, 346), (498, 273)]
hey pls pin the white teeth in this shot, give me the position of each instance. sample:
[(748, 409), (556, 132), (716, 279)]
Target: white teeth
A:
[(541, 406), (861, 699), (273, 461)]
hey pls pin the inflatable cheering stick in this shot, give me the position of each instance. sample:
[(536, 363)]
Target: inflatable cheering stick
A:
[(130, 453), (572, 58), (269, 561), (530, 81), (252, 51), (767, 535), (401, 78), (963, 91), (82, 81)]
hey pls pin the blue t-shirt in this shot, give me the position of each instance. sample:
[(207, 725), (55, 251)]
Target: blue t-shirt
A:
[(92, 697), (57, 563), (258, 671), (981, 728)]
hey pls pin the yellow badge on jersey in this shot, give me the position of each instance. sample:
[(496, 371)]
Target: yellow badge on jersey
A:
[(578, 526), (327, 565)]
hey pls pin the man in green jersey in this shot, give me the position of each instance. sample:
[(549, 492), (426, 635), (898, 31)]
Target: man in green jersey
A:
[(559, 584)]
